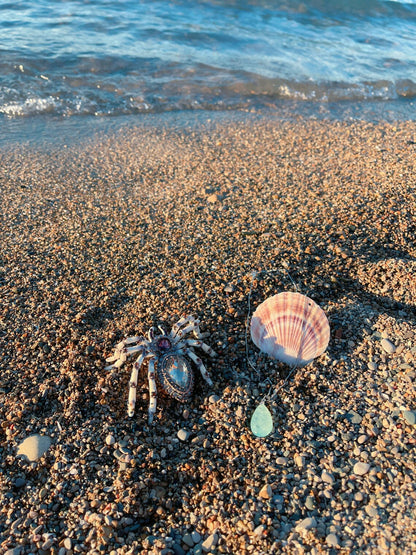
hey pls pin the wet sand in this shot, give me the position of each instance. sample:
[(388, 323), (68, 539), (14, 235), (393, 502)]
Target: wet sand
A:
[(105, 238)]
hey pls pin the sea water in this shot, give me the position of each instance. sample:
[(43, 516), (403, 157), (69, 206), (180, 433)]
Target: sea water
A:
[(104, 58)]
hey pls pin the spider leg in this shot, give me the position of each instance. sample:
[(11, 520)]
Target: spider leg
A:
[(122, 351), (192, 326), (184, 321), (197, 343), (204, 372), (152, 389), (133, 384)]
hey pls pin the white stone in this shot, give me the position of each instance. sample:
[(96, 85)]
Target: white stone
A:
[(299, 460), (33, 447), (306, 524), (110, 440), (183, 434), (259, 530), (266, 492), (327, 477), (361, 468), (388, 346), (210, 542), (332, 539)]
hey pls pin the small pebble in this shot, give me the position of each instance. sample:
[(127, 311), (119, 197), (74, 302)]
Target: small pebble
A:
[(196, 537), (361, 468), (183, 434), (371, 511), (266, 492), (306, 524), (187, 540), (332, 540), (110, 439), (310, 503), (210, 542), (327, 477), (410, 416), (259, 530), (388, 346), (19, 482)]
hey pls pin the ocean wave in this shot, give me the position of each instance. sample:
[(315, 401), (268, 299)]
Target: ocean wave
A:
[(224, 93)]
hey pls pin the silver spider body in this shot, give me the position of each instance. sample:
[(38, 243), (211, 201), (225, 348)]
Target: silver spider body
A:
[(169, 357)]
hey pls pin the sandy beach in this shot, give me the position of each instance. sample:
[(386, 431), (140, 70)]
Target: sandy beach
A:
[(138, 227)]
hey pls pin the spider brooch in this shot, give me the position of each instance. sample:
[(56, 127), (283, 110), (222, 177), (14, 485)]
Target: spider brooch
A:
[(167, 363)]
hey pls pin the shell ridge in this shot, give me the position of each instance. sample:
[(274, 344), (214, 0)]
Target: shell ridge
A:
[(290, 327)]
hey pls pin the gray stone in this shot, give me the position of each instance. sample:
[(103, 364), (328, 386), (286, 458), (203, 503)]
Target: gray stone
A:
[(187, 540), (177, 549), (388, 346), (310, 503), (354, 417), (196, 536), (410, 416), (371, 511), (19, 482)]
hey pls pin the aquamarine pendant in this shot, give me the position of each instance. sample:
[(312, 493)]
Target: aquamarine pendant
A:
[(261, 423)]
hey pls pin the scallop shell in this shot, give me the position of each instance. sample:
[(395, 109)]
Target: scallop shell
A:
[(290, 327)]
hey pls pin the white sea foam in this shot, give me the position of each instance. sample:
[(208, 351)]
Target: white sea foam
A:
[(30, 106)]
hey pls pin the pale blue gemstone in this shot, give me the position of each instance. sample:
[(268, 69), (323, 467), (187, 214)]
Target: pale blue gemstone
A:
[(178, 372), (261, 422)]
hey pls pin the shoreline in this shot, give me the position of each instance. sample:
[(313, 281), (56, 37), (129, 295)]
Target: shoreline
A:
[(137, 227), (44, 130)]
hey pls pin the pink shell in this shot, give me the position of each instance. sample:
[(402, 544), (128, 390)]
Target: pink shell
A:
[(291, 328)]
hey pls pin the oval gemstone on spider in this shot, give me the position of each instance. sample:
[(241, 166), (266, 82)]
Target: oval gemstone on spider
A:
[(176, 376)]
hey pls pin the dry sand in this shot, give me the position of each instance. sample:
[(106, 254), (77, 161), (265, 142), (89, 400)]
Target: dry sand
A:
[(106, 238)]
